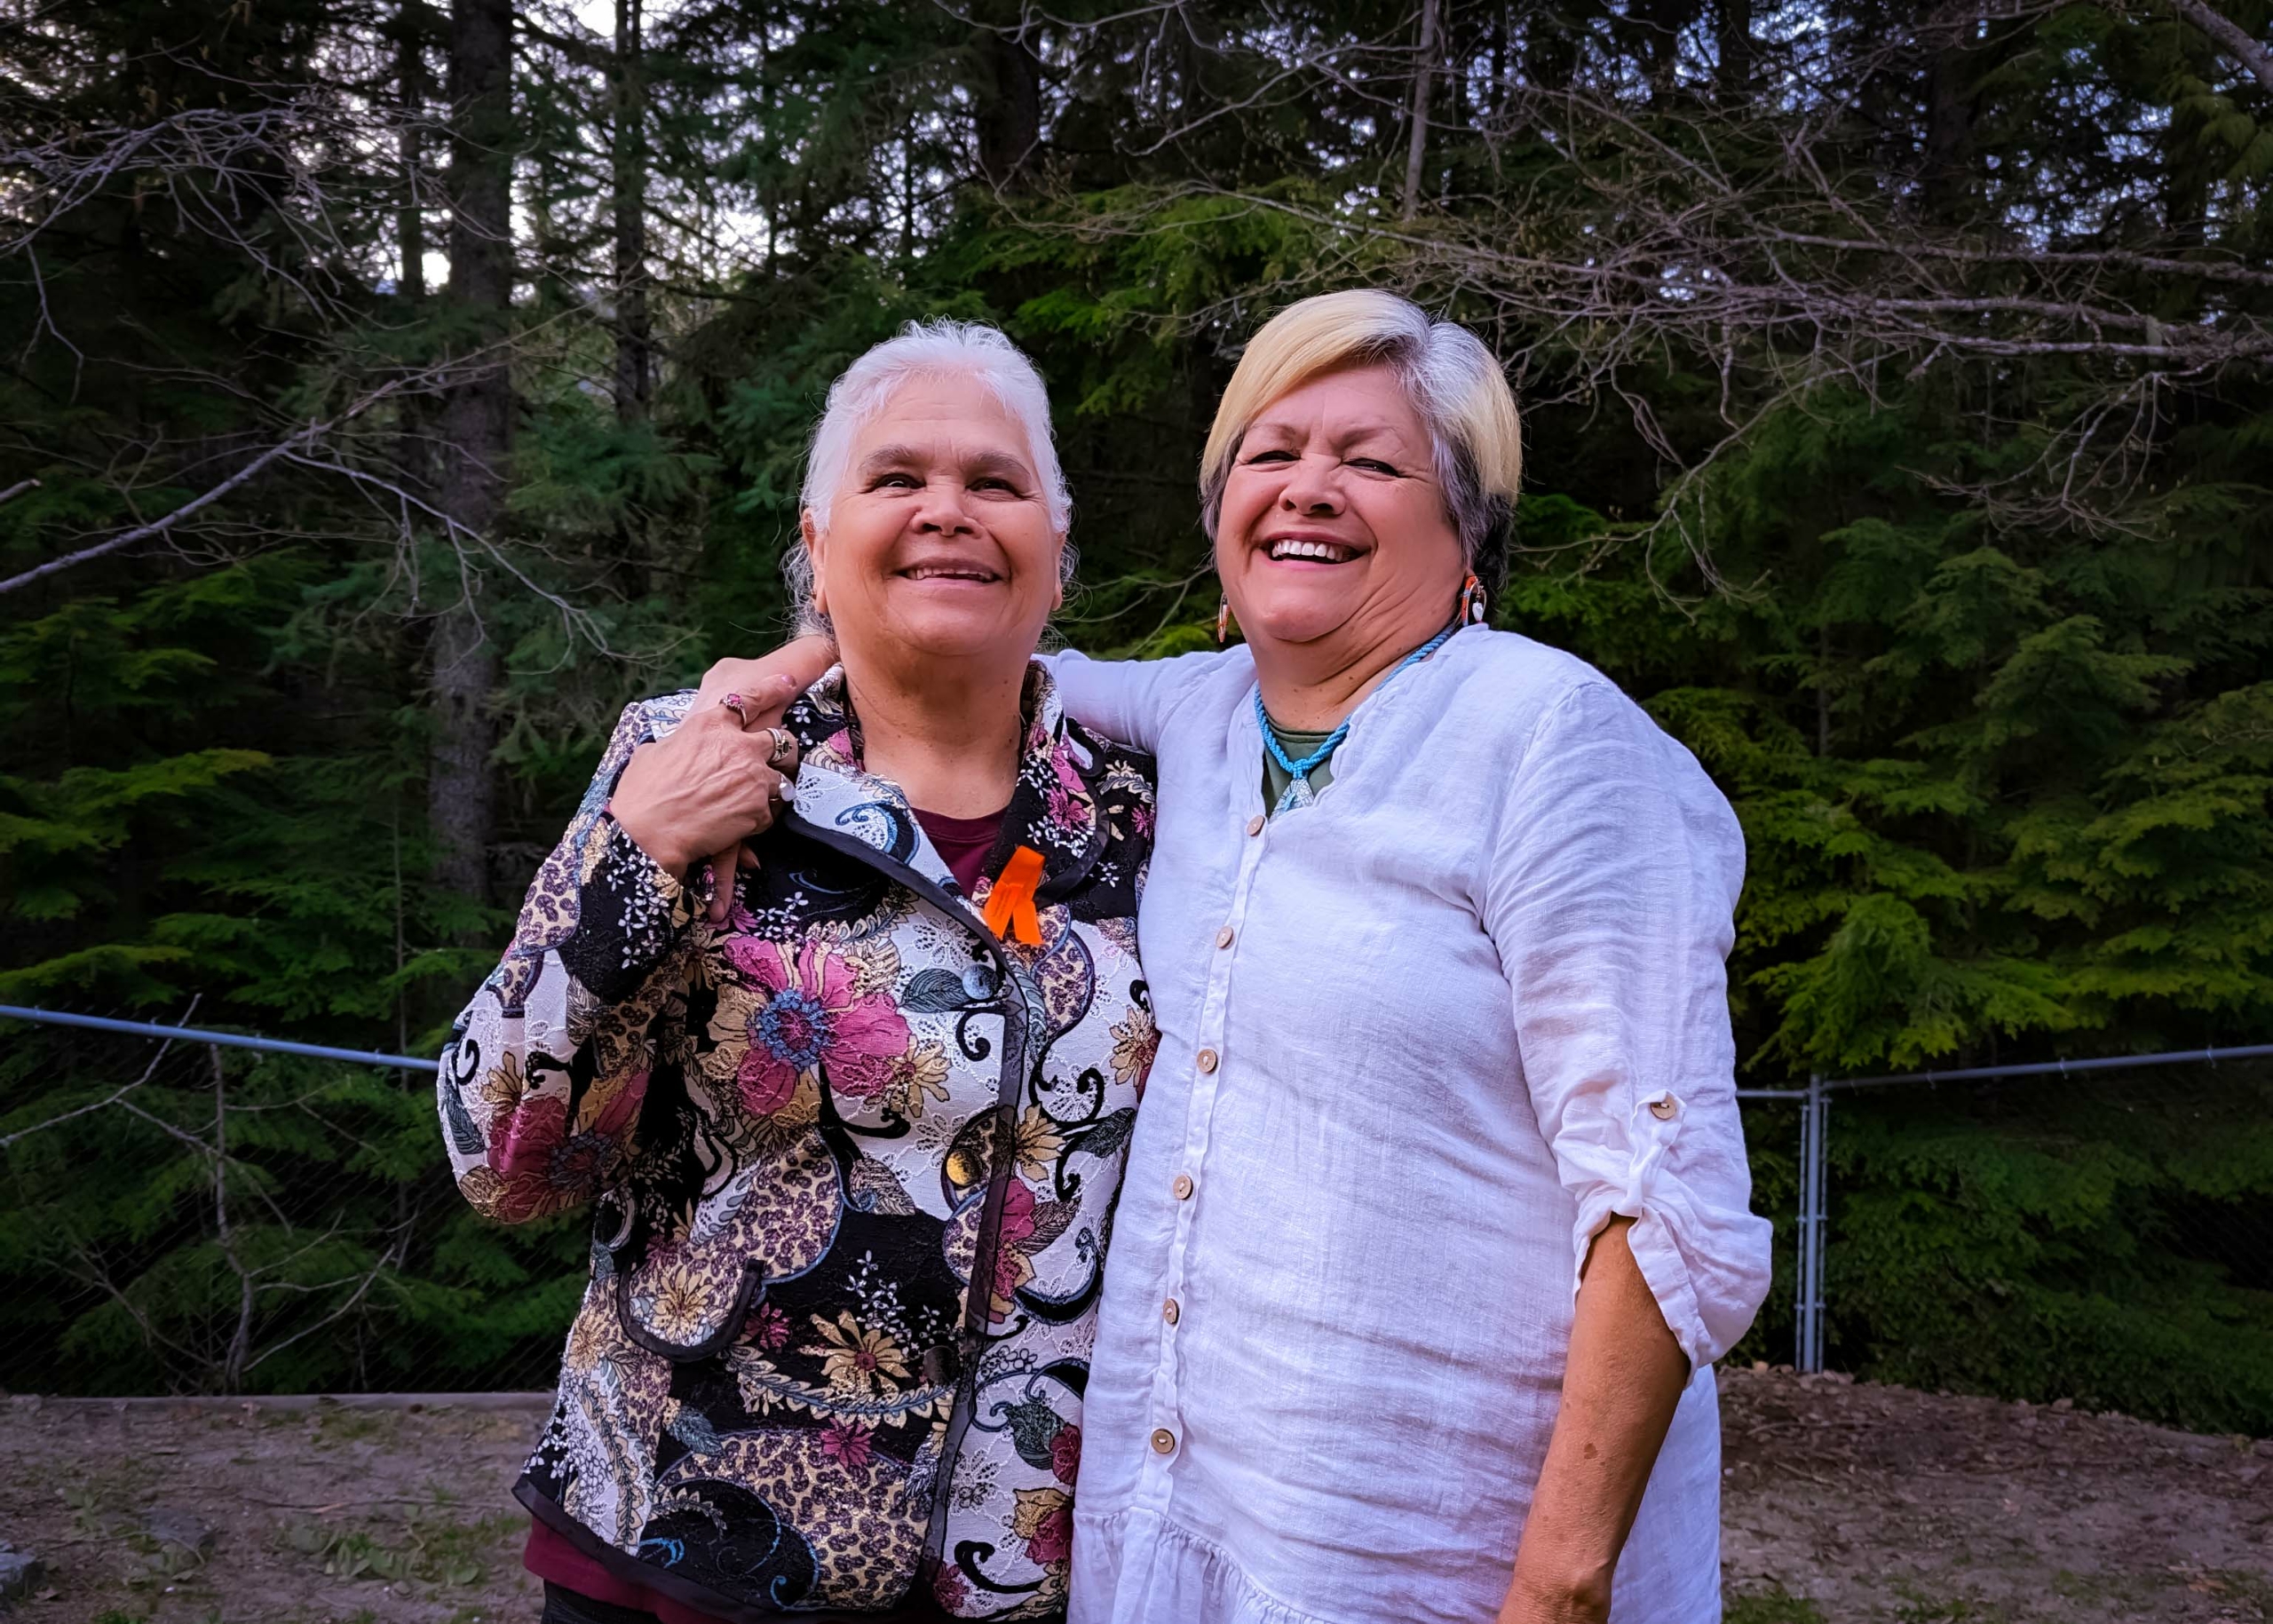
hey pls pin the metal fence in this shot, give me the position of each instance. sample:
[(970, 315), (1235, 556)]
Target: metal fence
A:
[(244, 1214), (2099, 1231), (188, 1210), (1812, 1220)]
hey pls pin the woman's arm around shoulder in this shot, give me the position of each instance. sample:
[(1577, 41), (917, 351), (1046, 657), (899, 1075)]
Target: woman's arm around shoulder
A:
[(1133, 700), (594, 956)]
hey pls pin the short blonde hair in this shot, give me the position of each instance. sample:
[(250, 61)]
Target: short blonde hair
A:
[(1450, 374)]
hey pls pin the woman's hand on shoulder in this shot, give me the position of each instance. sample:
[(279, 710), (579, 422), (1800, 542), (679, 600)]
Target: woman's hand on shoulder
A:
[(701, 794), (801, 660)]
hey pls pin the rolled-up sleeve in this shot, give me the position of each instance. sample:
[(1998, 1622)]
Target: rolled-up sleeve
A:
[(1612, 897)]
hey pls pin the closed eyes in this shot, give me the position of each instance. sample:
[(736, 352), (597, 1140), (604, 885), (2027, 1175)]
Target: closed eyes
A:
[(1280, 455)]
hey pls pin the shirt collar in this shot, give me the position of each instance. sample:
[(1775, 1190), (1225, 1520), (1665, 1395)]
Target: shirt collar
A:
[(1053, 802)]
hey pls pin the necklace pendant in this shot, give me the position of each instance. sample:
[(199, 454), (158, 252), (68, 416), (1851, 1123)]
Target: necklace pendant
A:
[(1298, 793)]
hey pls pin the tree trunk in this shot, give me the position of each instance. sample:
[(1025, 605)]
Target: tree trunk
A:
[(477, 428), (1550, 53), (2183, 180), (907, 141), (461, 786), (1500, 64), (1947, 178), (414, 412), (1009, 114), (634, 380), (1733, 71), (1661, 22), (1416, 147), (410, 89)]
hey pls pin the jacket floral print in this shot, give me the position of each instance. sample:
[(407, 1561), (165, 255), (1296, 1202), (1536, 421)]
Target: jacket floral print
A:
[(853, 1159)]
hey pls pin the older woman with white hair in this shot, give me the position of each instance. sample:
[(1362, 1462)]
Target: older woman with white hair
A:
[(851, 1084), (1436, 1214)]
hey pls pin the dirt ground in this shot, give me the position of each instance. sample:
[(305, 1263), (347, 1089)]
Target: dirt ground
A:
[(1844, 1502)]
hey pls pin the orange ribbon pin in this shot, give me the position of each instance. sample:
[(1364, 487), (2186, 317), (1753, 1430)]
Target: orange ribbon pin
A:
[(1010, 905)]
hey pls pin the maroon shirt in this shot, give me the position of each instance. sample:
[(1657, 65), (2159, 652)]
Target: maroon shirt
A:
[(963, 843), (551, 1557)]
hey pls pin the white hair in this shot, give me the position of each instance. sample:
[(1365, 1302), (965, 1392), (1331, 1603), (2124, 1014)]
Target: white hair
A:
[(940, 348)]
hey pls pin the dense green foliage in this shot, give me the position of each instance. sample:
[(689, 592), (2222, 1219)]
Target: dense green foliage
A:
[(1900, 416), (2083, 1239)]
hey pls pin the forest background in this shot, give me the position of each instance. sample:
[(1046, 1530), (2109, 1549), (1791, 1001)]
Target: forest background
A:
[(393, 391)]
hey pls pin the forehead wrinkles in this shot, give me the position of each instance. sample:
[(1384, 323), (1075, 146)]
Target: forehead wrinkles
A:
[(922, 422), (1341, 409)]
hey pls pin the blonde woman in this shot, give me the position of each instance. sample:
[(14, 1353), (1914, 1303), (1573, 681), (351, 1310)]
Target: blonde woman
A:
[(854, 1117), (1437, 1213)]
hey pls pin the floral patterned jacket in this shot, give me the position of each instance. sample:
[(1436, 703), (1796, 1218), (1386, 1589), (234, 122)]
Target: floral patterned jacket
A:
[(854, 1158)]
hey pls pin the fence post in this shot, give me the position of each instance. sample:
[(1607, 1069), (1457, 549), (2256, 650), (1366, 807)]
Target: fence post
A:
[(1814, 1155)]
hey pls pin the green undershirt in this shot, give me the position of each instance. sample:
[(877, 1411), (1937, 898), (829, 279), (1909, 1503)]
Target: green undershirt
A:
[(1276, 778)]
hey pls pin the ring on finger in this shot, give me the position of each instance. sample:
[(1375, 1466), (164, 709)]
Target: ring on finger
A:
[(734, 702), (784, 745)]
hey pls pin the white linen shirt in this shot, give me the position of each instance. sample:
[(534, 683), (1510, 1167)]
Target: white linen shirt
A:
[(1419, 1041)]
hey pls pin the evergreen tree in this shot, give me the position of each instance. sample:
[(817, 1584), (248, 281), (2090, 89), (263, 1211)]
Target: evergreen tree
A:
[(1898, 397)]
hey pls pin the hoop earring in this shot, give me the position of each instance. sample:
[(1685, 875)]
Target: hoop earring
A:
[(1472, 602), (1223, 620)]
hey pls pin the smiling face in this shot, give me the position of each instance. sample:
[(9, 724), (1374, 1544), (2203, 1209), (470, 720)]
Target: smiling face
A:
[(939, 545), (1332, 538)]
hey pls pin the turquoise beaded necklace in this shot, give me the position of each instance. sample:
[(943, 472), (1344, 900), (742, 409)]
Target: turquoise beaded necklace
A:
[(1299, 792)]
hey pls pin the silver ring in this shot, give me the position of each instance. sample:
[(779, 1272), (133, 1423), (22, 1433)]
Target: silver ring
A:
[(783, 742)]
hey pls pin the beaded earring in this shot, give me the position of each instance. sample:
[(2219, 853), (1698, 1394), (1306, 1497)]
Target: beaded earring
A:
[(1471, 602)]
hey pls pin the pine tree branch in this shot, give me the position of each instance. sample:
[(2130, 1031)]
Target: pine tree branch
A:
[(584, 53)]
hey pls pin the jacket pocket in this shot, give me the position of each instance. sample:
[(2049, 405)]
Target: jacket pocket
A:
[(674, 1308)]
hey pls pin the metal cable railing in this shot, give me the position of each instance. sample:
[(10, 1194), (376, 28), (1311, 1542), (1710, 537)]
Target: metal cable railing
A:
[(375, 1211), (225, 1039)]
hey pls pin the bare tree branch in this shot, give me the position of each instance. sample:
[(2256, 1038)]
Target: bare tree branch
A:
[(2230, 36), (251, 470), (109, 1099)]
